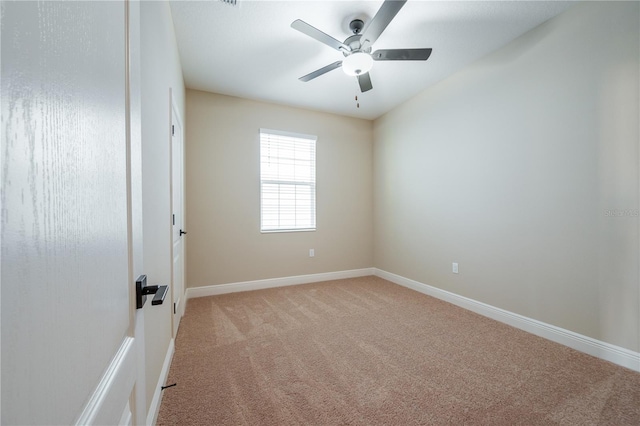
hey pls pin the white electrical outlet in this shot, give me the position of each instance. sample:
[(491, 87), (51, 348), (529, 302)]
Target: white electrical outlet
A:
[(312, 252), (454, 267)]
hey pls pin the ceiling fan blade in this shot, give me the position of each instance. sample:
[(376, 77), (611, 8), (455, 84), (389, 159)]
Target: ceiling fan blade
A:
[(313, 32), (385, 15), (401, 54), (323, 70), (364, 80)]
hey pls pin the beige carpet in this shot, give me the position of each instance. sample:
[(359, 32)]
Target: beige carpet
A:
[(365, 351)]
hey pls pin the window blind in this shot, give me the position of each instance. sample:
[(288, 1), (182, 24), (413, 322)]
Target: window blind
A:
[(287, 181)]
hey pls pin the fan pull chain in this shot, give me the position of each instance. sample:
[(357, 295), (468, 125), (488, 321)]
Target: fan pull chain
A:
[(357, 103)]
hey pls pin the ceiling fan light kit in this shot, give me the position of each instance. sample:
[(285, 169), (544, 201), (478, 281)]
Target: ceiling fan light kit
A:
[(357, 63), (358, 60)]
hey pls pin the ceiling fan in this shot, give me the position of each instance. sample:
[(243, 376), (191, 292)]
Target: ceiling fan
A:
[(357, 48)]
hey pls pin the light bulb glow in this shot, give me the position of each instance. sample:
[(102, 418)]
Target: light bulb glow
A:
[(357, 63)]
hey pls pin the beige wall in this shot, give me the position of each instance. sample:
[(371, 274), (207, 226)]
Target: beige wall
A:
[(510, 168), (224, 243)]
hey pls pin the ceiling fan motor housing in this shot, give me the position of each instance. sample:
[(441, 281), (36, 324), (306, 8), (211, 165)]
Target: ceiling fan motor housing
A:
[(354, 45)]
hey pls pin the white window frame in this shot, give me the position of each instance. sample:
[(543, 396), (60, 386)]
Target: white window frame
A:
[(309, 182)]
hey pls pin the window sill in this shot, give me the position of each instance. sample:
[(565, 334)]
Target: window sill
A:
[(278, 231)]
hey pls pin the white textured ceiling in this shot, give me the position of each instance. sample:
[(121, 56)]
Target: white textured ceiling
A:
[(250, 50)]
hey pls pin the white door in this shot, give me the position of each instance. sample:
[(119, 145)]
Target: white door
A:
[(177, 199), (70, 200)]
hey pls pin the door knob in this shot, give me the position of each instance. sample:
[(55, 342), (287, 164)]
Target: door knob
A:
[(182, 232)]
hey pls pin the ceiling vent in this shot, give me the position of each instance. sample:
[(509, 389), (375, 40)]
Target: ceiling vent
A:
[(230, 2)]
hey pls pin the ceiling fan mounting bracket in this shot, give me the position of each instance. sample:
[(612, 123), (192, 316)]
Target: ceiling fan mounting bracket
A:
[(356, 26)]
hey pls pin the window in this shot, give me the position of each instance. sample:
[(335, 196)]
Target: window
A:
[(287, 181)]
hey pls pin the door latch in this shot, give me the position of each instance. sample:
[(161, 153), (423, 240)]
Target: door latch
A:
[(182, 232)]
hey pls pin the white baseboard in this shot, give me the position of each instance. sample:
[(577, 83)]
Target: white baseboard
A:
[(213, 290), (154, 409), (588, 345)]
